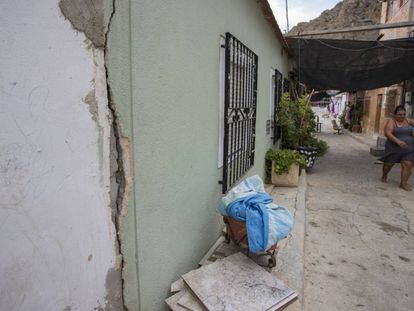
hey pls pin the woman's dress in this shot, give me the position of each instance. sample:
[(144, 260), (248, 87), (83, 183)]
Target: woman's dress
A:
[(393, 152)]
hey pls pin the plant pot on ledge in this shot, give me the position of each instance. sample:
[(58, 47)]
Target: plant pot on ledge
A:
[(289, 179), (356, 128), (284, 166), (310, 154)]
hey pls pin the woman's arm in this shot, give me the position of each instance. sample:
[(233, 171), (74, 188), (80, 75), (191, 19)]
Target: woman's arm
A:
[(410, 121), (389, 133)]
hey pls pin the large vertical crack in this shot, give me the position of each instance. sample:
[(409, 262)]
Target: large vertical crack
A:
[(87, 16), (121, 179)]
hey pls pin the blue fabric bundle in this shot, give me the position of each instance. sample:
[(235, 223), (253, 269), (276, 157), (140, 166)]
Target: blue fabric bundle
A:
[(252, 209), (266, 222)]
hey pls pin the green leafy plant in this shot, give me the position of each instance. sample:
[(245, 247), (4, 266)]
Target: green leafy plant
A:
[(342, 117), (297, 121), (283, 159), (356, 115), (319, 144)]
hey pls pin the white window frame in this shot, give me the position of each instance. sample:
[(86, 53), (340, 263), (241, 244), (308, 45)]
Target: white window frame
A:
[(222, 69)]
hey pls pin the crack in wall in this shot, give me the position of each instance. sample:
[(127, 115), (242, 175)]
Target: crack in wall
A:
[(87, 16), (121, 180)]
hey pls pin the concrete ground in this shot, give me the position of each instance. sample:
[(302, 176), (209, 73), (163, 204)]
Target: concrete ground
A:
[(290, 258), (359, 244)]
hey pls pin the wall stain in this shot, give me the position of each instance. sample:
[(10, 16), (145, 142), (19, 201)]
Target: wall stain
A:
[(90, 100), (113, 286)]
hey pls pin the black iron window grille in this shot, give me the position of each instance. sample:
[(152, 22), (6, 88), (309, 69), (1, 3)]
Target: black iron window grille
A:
[(286, 85), (277, 98), (240, 104)]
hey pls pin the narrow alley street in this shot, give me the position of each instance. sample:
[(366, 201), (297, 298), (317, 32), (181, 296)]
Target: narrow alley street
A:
[(359, 247)]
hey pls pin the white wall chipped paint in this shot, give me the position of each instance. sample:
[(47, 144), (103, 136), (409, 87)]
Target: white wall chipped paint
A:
[(54, 169)]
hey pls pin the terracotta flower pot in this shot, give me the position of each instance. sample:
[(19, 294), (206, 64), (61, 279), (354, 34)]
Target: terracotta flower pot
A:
[(289, 179), (356, 128)]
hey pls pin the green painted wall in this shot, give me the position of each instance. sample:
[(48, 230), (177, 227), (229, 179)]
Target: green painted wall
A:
[(164, 74)]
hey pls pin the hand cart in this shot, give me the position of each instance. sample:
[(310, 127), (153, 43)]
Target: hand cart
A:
[(236, 231)]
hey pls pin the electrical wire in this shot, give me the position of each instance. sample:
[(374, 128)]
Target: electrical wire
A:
[(395, 48), (379, 45)]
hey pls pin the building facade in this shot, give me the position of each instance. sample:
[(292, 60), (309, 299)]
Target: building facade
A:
[(379, 104), (168, 74), (123, 122)]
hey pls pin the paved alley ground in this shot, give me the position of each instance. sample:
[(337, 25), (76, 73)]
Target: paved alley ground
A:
[(359, 246)]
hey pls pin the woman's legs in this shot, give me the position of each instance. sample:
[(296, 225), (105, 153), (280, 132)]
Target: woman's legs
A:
[(385, 170), (405, 174)]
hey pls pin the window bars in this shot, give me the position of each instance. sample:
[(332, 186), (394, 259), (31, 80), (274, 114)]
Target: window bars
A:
[(278, 97), (239, 111), (286, 85)]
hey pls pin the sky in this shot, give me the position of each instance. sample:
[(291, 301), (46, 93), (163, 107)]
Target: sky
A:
[(299, 10)]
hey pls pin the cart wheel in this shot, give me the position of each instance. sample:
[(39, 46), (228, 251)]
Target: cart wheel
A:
[(227, 238), (272, 262)]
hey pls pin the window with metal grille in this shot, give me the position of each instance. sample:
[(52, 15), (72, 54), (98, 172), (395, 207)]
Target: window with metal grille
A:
[(240, 103), (391, 101), (286, 85), (277, 98)]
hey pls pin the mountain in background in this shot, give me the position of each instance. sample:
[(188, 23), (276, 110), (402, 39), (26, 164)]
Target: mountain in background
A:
[(347, 13)]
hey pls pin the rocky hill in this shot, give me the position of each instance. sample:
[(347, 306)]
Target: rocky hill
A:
[(347, 13)]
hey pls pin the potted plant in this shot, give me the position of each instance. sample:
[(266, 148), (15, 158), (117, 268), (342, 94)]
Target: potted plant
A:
[(356, 128), (285, 165), (342, 120), (297, 121), (355, 125)]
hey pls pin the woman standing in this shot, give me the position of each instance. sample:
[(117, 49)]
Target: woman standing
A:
[(399, 147)]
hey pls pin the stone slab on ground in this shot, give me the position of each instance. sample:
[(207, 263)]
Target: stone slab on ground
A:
[(172, 301), (177, 285), (289, 266), (236, 283), (376, 143), (189, 302), (381, 141), (377, 151), (209, 257)]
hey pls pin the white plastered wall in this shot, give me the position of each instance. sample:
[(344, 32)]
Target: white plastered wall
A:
[(56, 233)]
